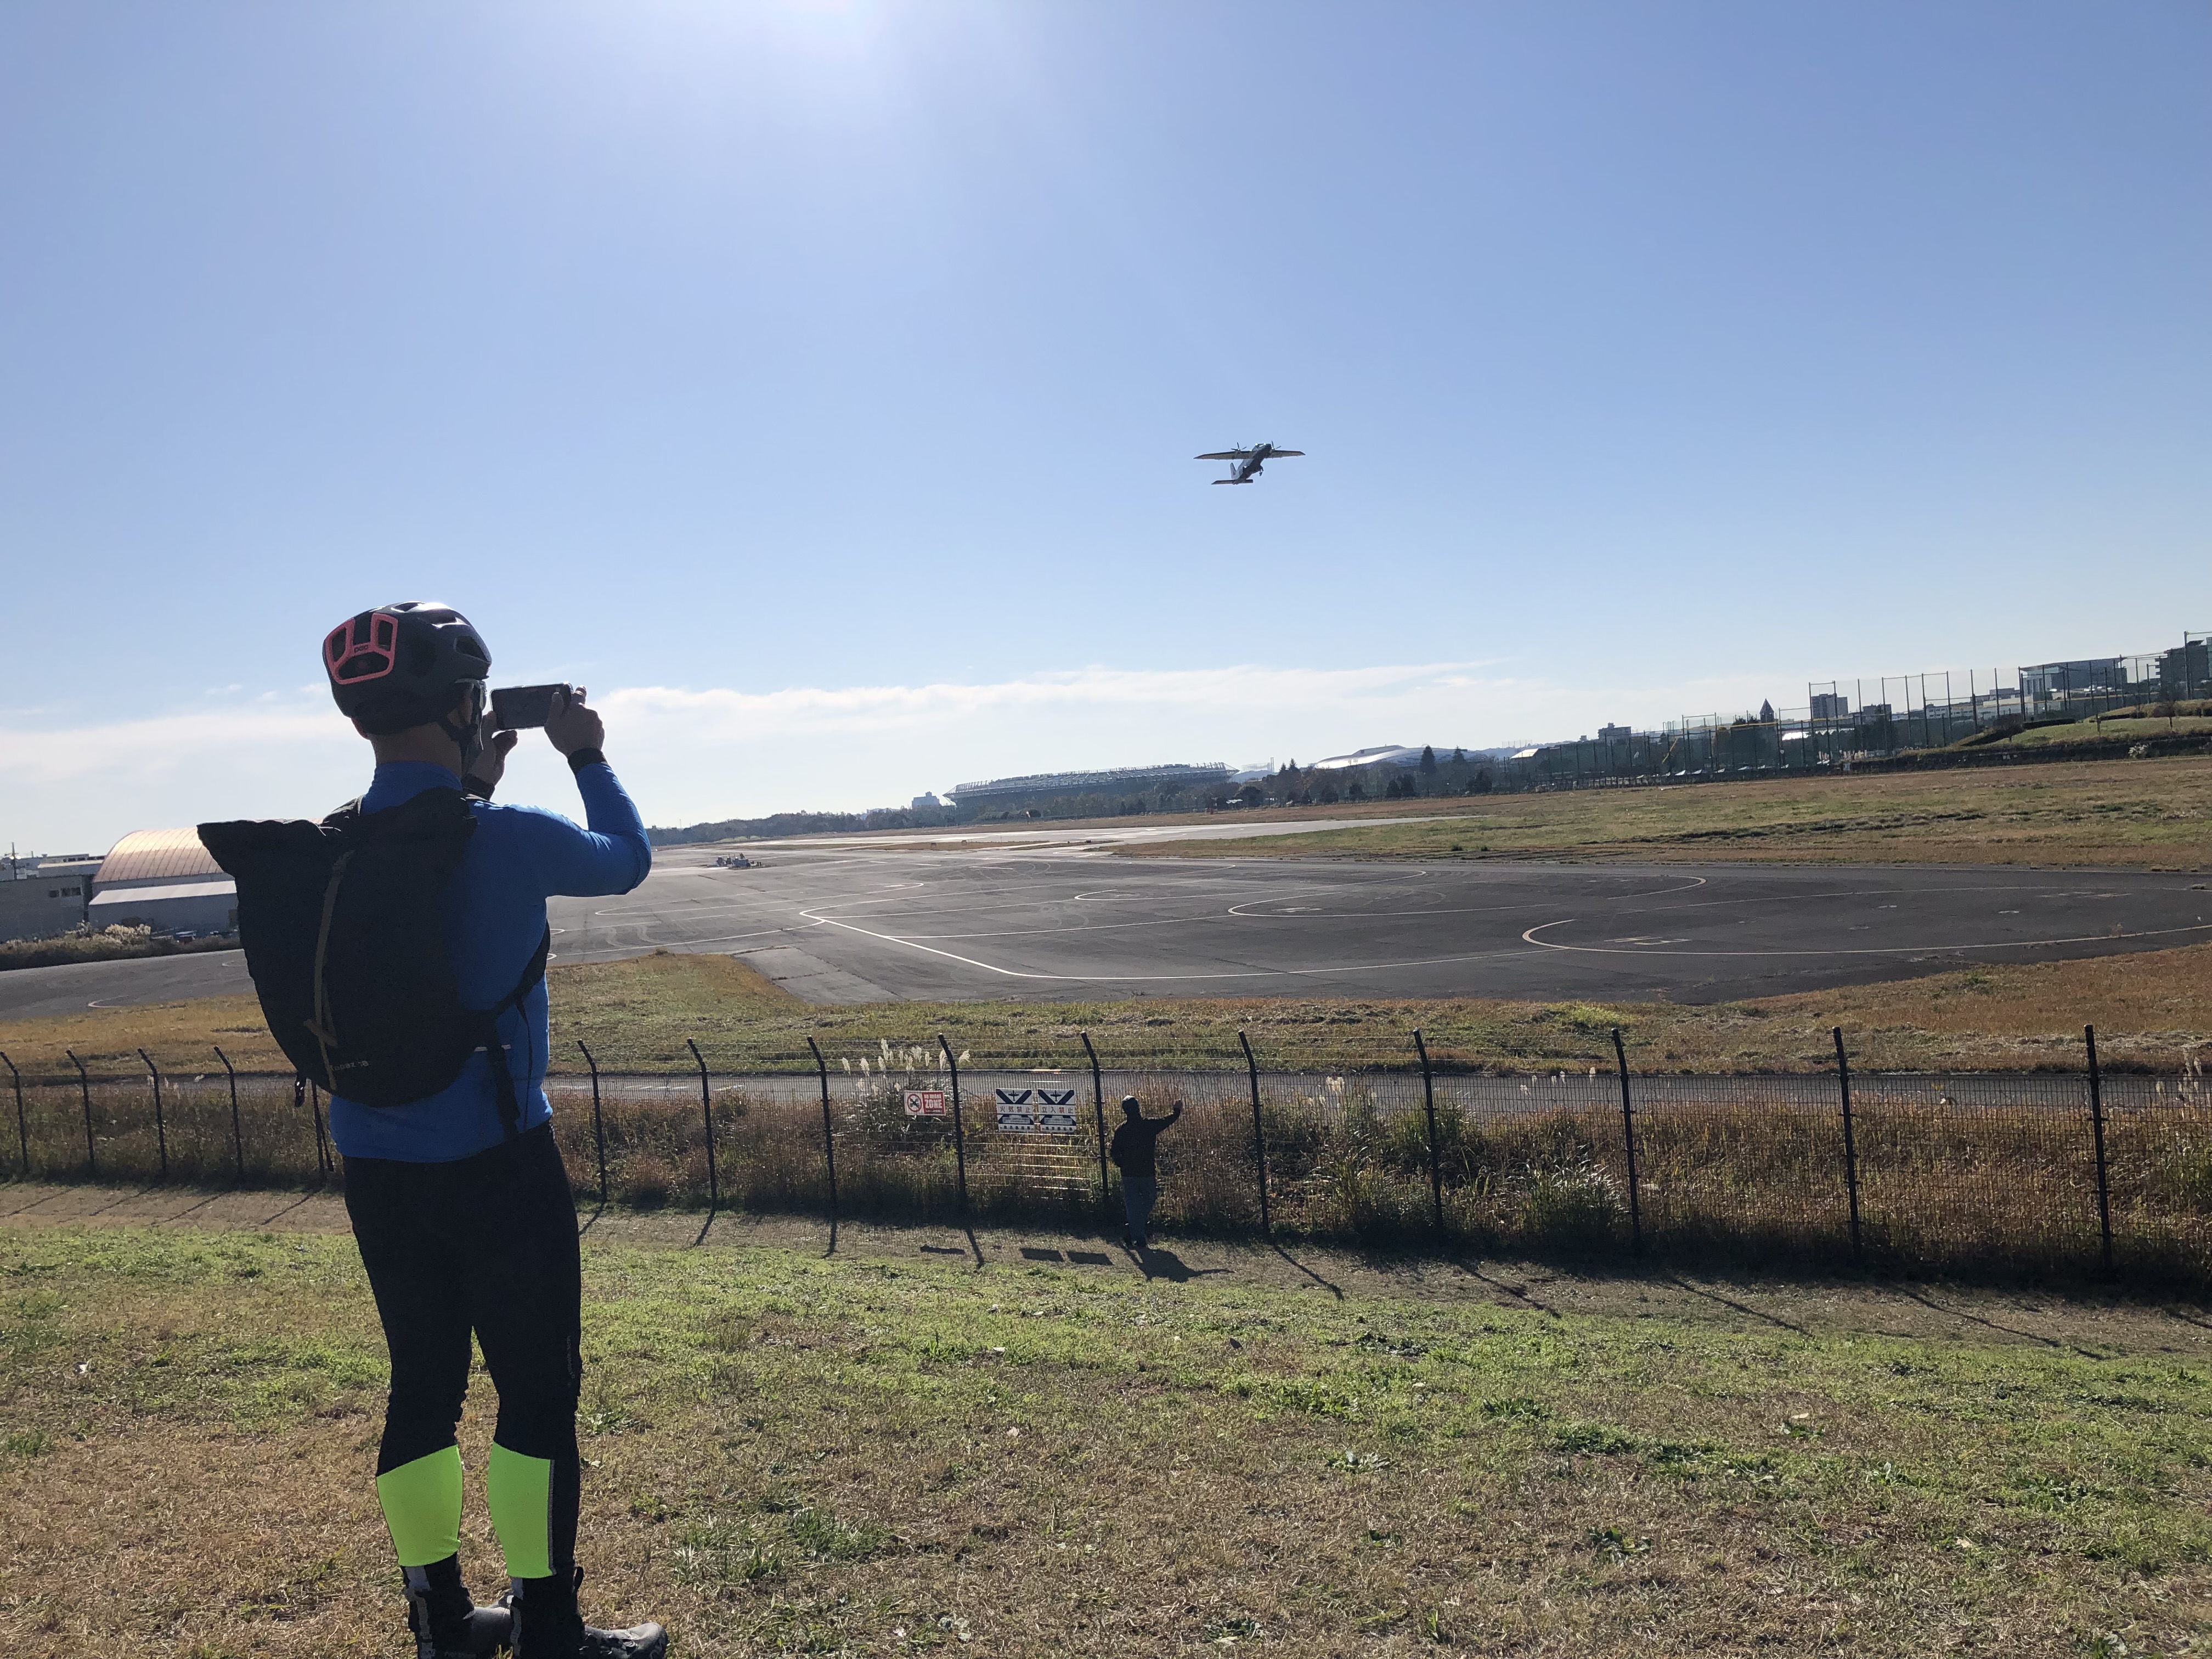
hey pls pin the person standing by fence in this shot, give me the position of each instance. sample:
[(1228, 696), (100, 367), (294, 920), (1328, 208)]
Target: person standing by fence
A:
[(1133, 1154), (418, 917)]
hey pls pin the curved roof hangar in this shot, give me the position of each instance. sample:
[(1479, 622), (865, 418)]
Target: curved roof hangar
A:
[(146, 856)]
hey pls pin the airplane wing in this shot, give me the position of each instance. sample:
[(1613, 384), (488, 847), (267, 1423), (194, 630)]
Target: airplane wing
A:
[(1280, 452), (1227, 455)]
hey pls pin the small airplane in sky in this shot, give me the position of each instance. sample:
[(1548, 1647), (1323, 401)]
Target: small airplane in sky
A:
[(1249, 461)]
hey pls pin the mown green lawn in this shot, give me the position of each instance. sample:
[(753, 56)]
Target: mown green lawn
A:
[(900, 1449)]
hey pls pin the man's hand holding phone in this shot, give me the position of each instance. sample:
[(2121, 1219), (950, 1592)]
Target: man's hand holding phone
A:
[(573, 725)]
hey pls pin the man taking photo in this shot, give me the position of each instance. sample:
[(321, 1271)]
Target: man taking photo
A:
[(399, 948)]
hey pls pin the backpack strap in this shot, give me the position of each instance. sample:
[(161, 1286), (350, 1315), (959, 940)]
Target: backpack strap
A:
[(322, 1027), (510, 1104)]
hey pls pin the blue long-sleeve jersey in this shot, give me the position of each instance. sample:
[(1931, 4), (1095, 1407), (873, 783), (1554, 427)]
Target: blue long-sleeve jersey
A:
[(518, 857)]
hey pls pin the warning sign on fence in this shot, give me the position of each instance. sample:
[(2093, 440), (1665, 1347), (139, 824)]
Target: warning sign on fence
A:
[(925, 1102), (1030, 1111)]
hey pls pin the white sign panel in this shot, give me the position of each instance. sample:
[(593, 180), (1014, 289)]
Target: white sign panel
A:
[(926, 1103), (1031, 1111)]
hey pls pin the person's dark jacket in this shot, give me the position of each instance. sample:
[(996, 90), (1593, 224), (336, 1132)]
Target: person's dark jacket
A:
[(1133, 1151)]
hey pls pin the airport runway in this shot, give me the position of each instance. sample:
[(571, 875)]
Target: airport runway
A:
[(1055, 919)]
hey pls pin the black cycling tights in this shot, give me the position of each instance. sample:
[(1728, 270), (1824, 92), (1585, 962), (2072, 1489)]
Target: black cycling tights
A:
[(484, 1244)]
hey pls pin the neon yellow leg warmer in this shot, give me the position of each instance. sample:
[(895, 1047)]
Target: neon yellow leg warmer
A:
[(422, 1504), (519, 1491)]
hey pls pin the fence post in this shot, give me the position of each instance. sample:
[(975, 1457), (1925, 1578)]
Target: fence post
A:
[(1259, 1136), (22, 1130), (1098, 1110), (598, 1123), (2097, 1127), (1428, 1100), (1628, 1136), (84, 1088), (161, 1127), (706, 1110), (1851, 1142), (959, 1134), (829, 1138), (237, 1135)]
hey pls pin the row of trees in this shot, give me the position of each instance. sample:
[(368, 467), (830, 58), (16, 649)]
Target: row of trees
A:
[(1458, 774)]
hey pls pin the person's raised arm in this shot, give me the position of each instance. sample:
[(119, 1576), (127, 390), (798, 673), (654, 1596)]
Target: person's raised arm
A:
[(1175, 1113), (611, 855)]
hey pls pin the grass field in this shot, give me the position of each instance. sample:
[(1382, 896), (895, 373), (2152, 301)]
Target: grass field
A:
[(2188, 721), (2148, 814), (888, 1451), (2152, 1009)]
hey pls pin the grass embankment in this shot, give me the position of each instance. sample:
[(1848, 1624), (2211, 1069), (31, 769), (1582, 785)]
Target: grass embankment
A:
[(2147, 814), (2151, 1009), (881, 1455), (2136, 724)]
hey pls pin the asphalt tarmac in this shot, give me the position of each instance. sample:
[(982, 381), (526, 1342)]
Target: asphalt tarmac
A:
[(1049, 918)]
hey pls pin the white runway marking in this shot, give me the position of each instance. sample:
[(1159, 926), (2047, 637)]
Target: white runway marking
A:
[(1855, 951), (1244, 911), (1124, 979)]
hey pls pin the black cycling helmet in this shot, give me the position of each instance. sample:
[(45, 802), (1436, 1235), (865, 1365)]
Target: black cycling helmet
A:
[(405, 665)]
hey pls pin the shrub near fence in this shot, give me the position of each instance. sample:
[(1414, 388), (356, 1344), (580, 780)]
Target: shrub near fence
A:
[(2039, 1173)]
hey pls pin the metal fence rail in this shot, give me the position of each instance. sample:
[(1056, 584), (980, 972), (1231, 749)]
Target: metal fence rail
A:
[(2039, 1172)]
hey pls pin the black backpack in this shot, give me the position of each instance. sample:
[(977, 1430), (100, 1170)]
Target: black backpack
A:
[(343, 924)]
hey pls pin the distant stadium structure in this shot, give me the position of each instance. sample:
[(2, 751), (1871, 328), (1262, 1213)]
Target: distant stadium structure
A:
[(1120, 780), (1386, 754)]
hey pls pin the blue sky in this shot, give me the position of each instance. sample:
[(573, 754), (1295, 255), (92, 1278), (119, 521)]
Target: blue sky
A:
[(818, 381)]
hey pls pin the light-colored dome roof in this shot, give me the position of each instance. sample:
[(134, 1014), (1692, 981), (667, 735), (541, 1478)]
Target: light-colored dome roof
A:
[(156, 855)]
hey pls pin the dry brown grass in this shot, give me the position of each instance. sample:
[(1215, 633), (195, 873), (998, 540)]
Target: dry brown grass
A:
[(2148, 814), (1976, 1175), (2152, 1009), (881, 1454)]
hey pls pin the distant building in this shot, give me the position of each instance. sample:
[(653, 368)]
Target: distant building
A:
[(46, 897), (1125, 779), (2186, 671), (925, 802), (165, 880), (1828, 706), (2058, 679), (1613, 734)]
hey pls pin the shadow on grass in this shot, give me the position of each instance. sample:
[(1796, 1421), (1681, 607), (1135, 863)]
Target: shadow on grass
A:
[(1909, 1294), (1156, 1263), (1681, 1284), (1519, 1293), (1335, 1290), (272, 1219), (189, 1208)]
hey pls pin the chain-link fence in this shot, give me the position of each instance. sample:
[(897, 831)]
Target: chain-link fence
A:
[(2038, 1172)]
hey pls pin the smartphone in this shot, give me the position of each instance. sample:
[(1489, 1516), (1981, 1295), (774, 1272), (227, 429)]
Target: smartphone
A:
[(516, 707)]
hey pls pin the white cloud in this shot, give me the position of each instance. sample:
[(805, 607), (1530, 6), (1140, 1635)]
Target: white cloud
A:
[(690, 755)]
